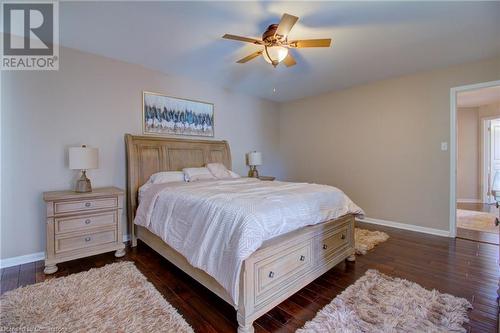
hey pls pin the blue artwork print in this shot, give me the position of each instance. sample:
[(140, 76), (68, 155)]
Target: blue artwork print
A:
[(169, 115)]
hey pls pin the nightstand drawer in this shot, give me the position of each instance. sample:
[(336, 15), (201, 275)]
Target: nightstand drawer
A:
[(75, 206), (64, 244), (84, 222)]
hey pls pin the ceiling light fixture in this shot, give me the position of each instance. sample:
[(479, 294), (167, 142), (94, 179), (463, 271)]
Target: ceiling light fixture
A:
[(275, 54)]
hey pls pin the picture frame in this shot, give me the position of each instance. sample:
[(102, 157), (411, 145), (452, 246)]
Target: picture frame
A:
[(164, 115)]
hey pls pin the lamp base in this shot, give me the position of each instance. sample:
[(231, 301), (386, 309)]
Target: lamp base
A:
[(83, 184), (253, 173)]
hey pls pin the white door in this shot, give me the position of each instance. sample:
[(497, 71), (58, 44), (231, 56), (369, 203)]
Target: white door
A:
[(494, 155)]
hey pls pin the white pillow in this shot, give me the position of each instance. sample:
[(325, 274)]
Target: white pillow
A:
[(194, 174), (166, 177), (234, 174), (220, 171)]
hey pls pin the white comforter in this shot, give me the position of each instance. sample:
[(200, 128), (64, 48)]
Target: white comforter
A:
[(217, 224)]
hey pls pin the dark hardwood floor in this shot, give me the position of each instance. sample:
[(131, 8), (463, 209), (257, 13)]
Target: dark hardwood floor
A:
[(459, 267)]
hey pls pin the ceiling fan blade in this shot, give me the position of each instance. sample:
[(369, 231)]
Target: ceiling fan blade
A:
[(310, 43), (289, 60), (286, 24), (249, 57), (243, 39)]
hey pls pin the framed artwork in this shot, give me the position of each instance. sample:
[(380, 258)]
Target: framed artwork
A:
[(165, 115)]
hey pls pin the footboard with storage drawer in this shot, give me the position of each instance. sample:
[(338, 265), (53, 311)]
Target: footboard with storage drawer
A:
[(284, 265), (280, 268)]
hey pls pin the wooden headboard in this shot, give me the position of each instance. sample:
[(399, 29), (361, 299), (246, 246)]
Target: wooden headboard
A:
[(147, 155)]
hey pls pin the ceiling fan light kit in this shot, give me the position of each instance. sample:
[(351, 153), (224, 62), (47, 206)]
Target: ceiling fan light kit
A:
[(276, 44), (275, 54)]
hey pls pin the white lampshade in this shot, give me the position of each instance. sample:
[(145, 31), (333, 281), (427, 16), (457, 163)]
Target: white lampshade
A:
[(276, 53), (254, 158), (83, 158)]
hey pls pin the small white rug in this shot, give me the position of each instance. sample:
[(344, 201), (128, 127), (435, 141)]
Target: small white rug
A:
[(365, 240), (114, 298), (378, 303)]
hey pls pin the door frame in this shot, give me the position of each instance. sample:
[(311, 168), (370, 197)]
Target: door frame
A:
[(453, 147), (485, 159), (485, 154)]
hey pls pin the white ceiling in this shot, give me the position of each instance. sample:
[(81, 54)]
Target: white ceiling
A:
[(478, 97), (372, 40)]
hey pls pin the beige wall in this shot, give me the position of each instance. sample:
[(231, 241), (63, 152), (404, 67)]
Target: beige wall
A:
[(468, 148), (380, 142), (96, 100)]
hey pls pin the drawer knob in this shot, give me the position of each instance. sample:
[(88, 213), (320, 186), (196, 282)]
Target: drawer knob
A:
[(87, 204), (325, 246), (496, 204), (87, 221), (497, 222), (342, 236), (87, 239), (302, 258), (271, 274)]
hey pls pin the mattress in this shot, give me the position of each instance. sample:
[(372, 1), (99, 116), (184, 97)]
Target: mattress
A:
[(217, 224)]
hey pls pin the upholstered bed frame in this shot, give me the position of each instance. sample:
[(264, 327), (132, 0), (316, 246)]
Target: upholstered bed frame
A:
[(281, 267)]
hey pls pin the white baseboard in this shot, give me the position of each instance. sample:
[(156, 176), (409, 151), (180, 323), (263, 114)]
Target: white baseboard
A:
[(469, 201), (405, 226), (27, 258), (14, 261)]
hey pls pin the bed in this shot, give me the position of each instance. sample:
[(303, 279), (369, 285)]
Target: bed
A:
[(280, 267)]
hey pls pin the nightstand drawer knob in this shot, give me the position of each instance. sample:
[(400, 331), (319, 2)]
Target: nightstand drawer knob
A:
[(87, 204), (325, 246), (342, 236), (87, 239), (87, 221), (271, 274), (302, 258)]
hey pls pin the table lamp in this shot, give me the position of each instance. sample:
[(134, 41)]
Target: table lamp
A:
[(254, 159), (83, 158)]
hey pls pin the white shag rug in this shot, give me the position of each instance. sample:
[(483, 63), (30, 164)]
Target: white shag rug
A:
[(379, 303), (113, 298), (365, 240)]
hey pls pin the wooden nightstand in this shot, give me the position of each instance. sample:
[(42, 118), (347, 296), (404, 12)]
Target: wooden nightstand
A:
[(268, 178), (83, 224)]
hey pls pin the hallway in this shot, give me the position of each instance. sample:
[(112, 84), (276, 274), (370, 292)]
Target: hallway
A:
[(476, 221)]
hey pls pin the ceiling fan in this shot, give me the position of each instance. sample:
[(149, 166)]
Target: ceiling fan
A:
[(276, 43)]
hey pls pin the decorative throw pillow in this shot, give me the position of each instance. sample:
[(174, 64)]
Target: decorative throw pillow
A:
[(234, 174), (166, 177), (194, 174), (220, 171)]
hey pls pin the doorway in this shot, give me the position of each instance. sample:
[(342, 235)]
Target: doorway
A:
[(490, 155), (476, 153)]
